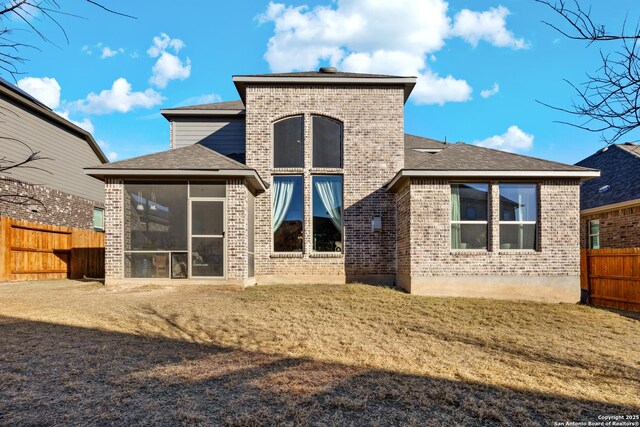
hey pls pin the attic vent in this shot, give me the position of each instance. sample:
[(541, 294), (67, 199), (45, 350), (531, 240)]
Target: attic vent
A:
[(328, 70), (428, 150), (604, 188)]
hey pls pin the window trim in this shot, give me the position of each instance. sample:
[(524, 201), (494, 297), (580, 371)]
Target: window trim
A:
[(592, 235), (341, 123), (287, 254), (536, 246), (459, 222), (313, 251), (95, 228), (273, 141)]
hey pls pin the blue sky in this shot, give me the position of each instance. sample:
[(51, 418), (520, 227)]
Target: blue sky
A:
[(481, 64)]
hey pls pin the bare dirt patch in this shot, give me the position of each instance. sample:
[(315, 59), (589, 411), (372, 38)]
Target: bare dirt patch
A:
[(73, 354)]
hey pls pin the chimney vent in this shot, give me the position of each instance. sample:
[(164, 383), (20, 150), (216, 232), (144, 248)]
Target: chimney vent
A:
[(328, 70)]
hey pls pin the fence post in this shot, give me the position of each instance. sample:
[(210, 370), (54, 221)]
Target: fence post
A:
[(5, 248)]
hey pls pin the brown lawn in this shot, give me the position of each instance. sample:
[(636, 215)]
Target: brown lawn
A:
[(73, 354)]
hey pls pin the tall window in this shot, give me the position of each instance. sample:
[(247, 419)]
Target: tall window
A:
[(594, 234), (98, 219), (327, 143), (288, 211), (518, 216), (469, 216), (327, 213), (288, 143)]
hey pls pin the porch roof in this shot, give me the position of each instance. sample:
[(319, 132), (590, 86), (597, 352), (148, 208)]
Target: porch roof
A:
[(191, 161)]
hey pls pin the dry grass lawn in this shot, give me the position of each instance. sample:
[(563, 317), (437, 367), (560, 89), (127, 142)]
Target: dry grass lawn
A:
[(72, 353)]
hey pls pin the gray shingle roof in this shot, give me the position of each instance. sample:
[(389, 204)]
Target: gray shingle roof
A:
[(620, 171), (191, 157), (227, 105), (412, 142), (462, 157)]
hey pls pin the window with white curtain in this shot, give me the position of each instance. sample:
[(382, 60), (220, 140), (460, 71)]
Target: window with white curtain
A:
[(288, 213), (518, 216), (469, 213), (327, 213)]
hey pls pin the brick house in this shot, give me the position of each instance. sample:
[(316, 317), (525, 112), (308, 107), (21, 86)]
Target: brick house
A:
[(309, 178), (52, 191), (610, 204)]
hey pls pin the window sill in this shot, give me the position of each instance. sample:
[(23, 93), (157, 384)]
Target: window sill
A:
[(326, 255), (473, 252), (275, 171), (518, 252), (287, 255), (327, 170)]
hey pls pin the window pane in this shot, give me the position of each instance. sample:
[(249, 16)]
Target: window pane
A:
[(287, 202), (207, 189), (468, 236), (327, 213), (207, 218), (179, 266), (594, 234), (207, 256), (98, 218), (594, 227), (146, 265), (155, 217), (518, 236), (469, 202), (327, 143), (288, 143), (518, 202)]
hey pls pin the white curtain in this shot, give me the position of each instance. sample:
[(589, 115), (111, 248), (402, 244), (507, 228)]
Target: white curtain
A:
[(282, 193), (456, 238), (330, 191)]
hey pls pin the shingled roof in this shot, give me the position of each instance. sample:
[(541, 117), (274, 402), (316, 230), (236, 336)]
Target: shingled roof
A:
[(620, 168), (192, 160), (226, 105)]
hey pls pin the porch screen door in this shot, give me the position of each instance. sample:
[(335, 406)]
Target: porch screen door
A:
[(207, 238)]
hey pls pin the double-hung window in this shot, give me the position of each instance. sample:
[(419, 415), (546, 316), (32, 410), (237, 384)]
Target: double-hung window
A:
[(469, 213), (518, 216)]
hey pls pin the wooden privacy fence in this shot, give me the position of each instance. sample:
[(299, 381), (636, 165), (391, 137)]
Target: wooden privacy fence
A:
[(611, 277), (32, 251)]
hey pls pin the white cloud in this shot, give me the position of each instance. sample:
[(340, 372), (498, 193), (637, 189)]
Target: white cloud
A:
[(108, 53), (120, 98), (168, 66), (45, 90), (514, 139), (85, 123), (490, 26), (490, 92), (372, 36), (112, 156)]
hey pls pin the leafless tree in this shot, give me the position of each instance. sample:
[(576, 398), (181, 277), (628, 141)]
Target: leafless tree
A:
[(608, 101), (18, 192), (21, 18)]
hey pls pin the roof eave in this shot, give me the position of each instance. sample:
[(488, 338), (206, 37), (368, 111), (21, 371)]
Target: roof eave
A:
[(57, 119), (252, 177), (241, 82), (610, 207), (404, 174), (168, 113)]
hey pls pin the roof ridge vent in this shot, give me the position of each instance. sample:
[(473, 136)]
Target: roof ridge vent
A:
[(631, 143), (328, 70)]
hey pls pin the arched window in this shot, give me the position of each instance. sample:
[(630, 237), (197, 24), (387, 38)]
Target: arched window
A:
[(288, 143), (327, 142)]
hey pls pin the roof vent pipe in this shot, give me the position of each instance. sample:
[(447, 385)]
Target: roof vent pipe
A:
[(328, 70)]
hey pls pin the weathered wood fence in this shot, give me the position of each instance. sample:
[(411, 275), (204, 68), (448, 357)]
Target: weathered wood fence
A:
[(612, 277), (32, 251)]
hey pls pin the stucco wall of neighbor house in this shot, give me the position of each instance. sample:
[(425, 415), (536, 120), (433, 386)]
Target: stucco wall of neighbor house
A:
[(373, 119), (619, 228), (550, 274), (56, 208), (116, 239)]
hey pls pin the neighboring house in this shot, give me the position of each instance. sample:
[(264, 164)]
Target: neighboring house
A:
[(64, 195), (610, 205), (309, 178)]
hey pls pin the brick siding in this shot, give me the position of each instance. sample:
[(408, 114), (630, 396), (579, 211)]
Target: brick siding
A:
[(57, 208), (619, 228), (373, 120)]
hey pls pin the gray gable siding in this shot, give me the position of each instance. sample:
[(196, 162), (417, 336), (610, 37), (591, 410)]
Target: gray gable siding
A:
[(224, 135), (68, 152)]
